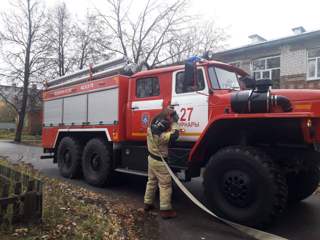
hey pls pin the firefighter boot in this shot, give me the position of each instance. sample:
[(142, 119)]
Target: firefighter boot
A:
[(166, 214), (148, 207)]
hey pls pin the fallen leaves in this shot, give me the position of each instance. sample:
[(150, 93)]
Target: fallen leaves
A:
[(20, 232), (73, 212)]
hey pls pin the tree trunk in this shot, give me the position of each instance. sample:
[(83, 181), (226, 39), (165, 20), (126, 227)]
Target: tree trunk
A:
[(22, 112), (19, 127)]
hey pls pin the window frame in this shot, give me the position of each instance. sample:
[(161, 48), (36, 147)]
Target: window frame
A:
[(143, 78), (266, 69), (317, 71), (173, 83), (181, 71), (236, 64)]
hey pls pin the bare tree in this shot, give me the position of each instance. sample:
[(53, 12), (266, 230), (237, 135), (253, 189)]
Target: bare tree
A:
[(23, 52), (200, 37), (144, 38), (11, 96), (161, 33), (89, 38), (60, 36)]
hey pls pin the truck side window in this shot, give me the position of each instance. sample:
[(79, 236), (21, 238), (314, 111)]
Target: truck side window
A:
[(147, 87), (183, 88)]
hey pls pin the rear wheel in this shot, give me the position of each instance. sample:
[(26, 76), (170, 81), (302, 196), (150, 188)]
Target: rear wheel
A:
[(97, 162), (244, 185), (69, 157), (302, 184)]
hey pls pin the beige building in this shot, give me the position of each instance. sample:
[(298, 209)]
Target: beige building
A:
[(291, 62)]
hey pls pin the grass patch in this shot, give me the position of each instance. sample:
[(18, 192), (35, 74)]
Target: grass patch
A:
[(25, 138), (7, 134), (72, 212)]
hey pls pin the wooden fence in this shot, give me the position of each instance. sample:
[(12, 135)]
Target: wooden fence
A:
[(20, 197)]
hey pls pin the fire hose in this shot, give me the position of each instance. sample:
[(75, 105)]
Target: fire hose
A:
[(255, 233)]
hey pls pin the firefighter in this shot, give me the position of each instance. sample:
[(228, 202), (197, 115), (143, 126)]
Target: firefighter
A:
[(162, 131)]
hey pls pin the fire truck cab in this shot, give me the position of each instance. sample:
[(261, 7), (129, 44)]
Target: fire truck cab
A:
[(258, 146)]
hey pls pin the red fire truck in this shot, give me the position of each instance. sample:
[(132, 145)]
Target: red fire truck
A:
[(258, 146)]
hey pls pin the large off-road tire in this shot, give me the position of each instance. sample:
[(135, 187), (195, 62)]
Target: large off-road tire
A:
[(244, 185), (69, 157), (97, 162), (302, 184)]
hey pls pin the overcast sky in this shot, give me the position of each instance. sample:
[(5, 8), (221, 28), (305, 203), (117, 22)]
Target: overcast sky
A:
[(269, 18)]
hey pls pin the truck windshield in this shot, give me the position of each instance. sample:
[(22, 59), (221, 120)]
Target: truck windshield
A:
[(223, 79)]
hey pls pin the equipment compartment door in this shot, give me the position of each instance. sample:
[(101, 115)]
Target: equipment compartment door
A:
[(191, 104)]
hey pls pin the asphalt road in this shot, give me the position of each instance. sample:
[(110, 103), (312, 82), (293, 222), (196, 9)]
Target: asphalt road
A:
[(299, 222)]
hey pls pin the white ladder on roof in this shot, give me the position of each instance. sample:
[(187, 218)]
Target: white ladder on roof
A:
[(105, 69)]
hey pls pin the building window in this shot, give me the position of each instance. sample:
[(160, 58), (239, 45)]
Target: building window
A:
[(147, 87), (268, 67), (313, 64)]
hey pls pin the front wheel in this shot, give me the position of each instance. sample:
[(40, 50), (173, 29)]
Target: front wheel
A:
[(244, 185), (97, 162), (302, 184)]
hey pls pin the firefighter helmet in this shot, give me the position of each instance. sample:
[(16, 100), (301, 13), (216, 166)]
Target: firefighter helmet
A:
[(159, 126)]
